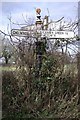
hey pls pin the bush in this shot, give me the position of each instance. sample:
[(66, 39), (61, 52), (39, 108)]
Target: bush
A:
[(51, 95)]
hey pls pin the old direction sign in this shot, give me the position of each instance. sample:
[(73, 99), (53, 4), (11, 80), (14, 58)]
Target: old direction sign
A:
[(22, 33), (43, 33), (57, 34)]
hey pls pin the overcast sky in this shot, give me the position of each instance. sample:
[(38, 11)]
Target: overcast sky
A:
[(56, 11), (68, 10)]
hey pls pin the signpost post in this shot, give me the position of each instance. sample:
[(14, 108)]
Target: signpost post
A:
[(39, 43)]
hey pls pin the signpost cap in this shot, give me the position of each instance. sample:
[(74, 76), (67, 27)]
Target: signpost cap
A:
[(38, 10)]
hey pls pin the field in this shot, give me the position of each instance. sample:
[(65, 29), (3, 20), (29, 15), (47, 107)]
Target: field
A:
[(68, 67), (7, 68)]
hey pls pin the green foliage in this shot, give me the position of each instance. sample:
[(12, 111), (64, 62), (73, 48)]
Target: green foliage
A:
[(6, 54), (50, 66), (53, 94)]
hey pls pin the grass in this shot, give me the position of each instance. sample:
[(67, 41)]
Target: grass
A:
[(13, 89), (71, 67), (7, 68), (67, 67)]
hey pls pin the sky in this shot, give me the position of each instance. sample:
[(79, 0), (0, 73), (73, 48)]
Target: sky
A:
[(19, 10)]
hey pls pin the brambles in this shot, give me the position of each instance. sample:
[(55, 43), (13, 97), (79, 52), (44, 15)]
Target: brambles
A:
[(53, 94)]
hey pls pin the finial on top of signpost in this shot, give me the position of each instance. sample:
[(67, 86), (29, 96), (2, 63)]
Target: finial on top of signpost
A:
[(38, 11)]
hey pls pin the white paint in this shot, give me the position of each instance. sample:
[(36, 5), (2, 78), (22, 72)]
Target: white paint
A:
[(21, 33), (57, 34), (43, 33)]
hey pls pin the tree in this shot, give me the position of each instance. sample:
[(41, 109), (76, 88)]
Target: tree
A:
[(7, 49), (6, 54)]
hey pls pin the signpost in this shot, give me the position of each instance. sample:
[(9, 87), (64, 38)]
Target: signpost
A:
[(57, 34), (44, 33), (22, 33), (41, 33)]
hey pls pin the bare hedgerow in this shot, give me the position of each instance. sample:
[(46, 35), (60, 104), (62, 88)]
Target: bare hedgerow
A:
[(52, 94)]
